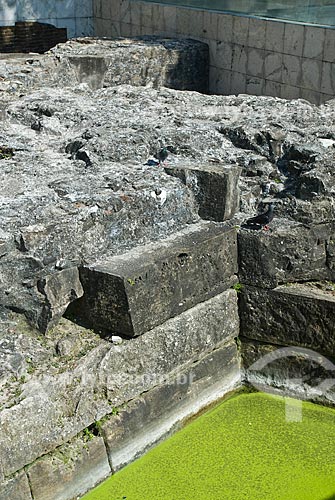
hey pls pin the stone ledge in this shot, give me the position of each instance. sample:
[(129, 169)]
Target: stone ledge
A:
[(136, 291), (299, 315)]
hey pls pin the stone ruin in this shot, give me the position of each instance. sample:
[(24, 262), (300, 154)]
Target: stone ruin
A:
[(130, 295)]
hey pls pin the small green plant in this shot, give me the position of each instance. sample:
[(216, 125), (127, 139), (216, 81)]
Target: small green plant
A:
[(88, 435), (238, 287), (131, 282), (99, 424), (277, 181), (6, 153)]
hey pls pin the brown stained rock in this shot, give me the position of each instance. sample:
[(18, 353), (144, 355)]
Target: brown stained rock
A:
[(136, 291)]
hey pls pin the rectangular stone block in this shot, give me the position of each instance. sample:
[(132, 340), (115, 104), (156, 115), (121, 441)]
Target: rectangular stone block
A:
[(215, 187), (70, 471), (255, 85), (298, 314), (136, 291), (273, 66), (257, 30), (240, 30), (56, 406), (157, 413), (329, 47), (239, 58), (328, 78), (274, 37), (225, 27), (16, 488), (255, 64), (291, 70), (224, 55), (293, 39), (297, 374), (238, 83), (314, 42), (311, 74), (290, 253)]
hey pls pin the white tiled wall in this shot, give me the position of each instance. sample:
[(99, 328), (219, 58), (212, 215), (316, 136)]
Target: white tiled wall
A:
[(257, 56), (75, 15)]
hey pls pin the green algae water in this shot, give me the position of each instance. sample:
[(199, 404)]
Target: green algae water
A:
[(244, 449)]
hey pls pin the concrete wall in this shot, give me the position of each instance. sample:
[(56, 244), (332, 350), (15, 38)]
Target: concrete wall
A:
[(75, 15), (247, 55)]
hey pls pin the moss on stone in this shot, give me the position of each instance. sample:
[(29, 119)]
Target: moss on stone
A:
[(242, 449)]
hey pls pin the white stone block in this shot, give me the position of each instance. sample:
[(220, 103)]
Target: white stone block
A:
[(255, 85), (273, 66), (329, 48), (311, 74), (170, 19), (124, 11), (290, 92), (224, 55), (328, 78), (239, 58), (274, 36), (106, 9), (184, 21), (135, 13), (84, 8), (257, 29), (225, 27), (314, 42), (291, 70), (210, 25), (311, 96), (238, 83), (272, 88), (240, 30), (293, 39), (224, 82), (255, 64)]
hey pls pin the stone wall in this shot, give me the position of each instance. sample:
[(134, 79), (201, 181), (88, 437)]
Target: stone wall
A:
[(74, 15), (247, 55), (30, 37)]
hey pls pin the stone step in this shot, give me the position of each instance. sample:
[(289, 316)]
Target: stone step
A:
[(132, 293), (215, 188)]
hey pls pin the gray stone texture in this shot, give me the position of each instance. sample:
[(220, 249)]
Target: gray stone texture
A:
[(136, 291), (215, 189), (296, 314), (71, 470), (16, 488), (298, 374), (291, 252), (68, 392), (146, 420)]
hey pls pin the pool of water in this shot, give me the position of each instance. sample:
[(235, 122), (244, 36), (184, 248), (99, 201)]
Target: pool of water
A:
[(244, 449), (320, 12)]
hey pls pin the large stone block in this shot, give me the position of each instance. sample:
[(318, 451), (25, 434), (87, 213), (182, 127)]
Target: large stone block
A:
[(154, 415), (299, 314), (290, 372), (215, 187), (136, 291), (289, 252), (69, 471), (55, 404), (16, 488)]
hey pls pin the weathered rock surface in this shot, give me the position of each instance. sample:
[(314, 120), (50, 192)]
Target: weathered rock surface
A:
[(16, 488), (148, 419), (300, 373), (140, 289), (298, 314), (70, 470), (56, 399)]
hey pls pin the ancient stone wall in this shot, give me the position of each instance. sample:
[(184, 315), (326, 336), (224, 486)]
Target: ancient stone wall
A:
[(247, 55)]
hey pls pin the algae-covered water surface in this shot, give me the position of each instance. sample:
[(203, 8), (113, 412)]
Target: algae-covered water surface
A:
[(242, 449)]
